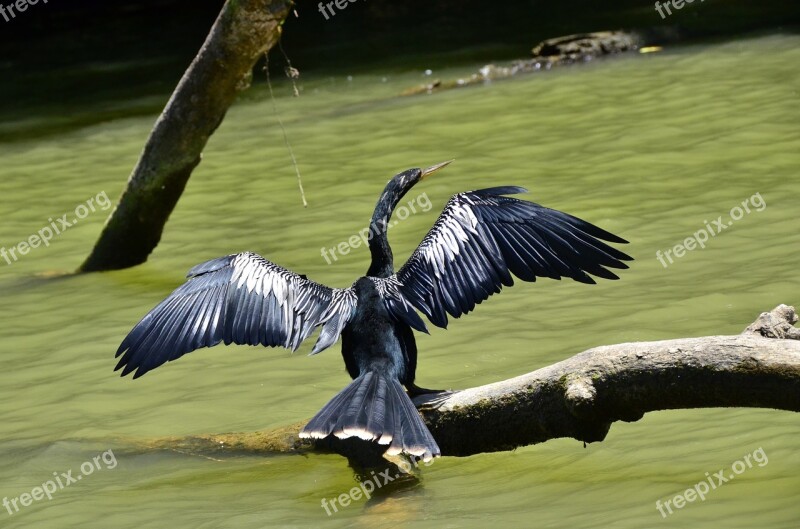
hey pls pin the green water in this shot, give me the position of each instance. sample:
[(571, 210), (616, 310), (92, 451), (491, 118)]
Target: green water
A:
[(649, 147)]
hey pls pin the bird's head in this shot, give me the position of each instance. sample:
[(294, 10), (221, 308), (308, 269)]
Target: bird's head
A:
[(408, 178), (401, 183)]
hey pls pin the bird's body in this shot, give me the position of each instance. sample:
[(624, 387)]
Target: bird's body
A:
[(371, 340), (480, 240)]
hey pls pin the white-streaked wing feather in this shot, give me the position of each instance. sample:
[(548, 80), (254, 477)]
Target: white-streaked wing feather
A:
[(240, 298), (481, 238)]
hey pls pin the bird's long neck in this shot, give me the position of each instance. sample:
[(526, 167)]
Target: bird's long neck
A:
[(382, 264)]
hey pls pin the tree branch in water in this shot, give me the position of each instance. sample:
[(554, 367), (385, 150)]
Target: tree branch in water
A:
[(582, 396), (243, 32)]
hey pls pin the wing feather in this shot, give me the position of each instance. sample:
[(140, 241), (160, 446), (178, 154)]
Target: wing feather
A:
[(241, 298), (482, 239)]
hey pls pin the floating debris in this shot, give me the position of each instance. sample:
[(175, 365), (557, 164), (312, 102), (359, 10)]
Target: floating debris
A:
[(560, 51)]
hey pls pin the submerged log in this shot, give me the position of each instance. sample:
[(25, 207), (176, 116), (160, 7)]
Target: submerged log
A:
[(579, 397), (586, 46), (548, 54), (243, 32)]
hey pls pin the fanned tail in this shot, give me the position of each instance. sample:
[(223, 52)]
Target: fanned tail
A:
[(374, 407)]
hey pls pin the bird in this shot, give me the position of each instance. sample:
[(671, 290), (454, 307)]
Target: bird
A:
[(481, 240)]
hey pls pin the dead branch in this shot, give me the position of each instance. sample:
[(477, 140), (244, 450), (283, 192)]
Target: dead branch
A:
[(243, 32), (582, 396)]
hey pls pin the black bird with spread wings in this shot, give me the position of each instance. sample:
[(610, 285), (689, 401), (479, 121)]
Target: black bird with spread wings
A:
[(479, 242)]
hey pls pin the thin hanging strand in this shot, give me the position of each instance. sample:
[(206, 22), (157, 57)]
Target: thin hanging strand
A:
[(291, 72), (285, 136)]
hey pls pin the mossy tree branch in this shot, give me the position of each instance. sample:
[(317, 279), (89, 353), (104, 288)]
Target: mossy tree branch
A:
[(582, 396), (243, 32)]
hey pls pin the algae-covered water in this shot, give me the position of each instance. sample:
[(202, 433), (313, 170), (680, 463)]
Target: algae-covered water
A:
[(651, 147)]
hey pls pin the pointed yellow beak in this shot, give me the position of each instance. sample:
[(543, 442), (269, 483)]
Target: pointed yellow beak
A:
[(432, 169)]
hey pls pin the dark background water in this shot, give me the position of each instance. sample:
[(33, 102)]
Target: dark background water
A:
[(65, 57)]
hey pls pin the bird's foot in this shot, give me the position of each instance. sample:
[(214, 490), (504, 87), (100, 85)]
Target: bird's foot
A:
[(428, 398), (415, 391)]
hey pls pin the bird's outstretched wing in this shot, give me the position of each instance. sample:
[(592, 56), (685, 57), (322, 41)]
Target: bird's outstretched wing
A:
[(482, 237), (241, 298)]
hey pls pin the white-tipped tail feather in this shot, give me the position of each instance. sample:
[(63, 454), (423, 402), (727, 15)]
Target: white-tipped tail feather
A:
[(374, 407)]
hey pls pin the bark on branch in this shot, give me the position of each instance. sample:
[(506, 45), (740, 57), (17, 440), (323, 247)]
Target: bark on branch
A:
[(582, 396), (243, 32)]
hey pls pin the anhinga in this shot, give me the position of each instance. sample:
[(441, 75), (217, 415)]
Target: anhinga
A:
[(480, 239)]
